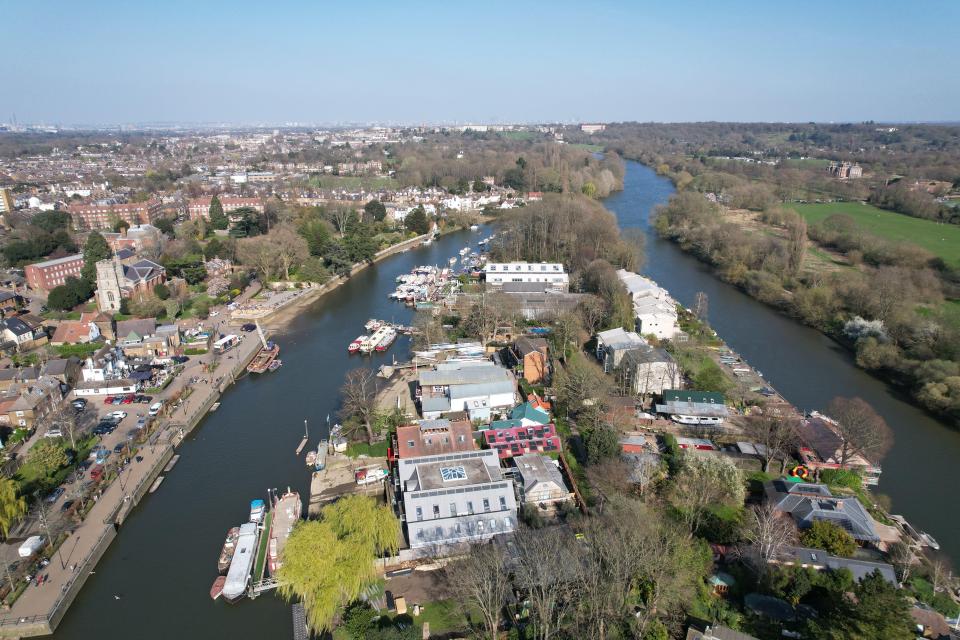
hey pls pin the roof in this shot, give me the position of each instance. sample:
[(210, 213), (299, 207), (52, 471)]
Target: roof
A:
[(620, 339), (17, 326), (482, 389), (527, 345), (71, 332), (57, 261), (808, 502), (432, 403), (820, 559), (452, 473), (716, 632), (142, 270), (59, 366), (432, 437), (140, 326), (449, 376), (702, 409), (526, 411), (537, 469), (646, 355), (686, 395)]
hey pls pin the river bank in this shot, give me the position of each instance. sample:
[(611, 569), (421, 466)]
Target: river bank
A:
[(806, 367)]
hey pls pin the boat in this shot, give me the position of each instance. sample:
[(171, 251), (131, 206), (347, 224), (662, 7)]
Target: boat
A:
[(320, 462), (217, 587), (216, 405), (238, 576), (371, 343), (428, 241), (387, 340), (156, 483), (373, 324), (930, 541), (453, 261), (257, 510), (355, 345), (474, 227), (262, 361), (276, 364), (229, 546), (311, 458), (286, 514)]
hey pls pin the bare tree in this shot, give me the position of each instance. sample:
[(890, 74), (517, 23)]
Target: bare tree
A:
[(481, 582), (341, 218), (796, 244), (261, 253), (701, 307), (862, 430), (704, 481), (593, 311), (902, 558), (359, 393), (768, 531), (546, 581), (292, 248), (777, 434)]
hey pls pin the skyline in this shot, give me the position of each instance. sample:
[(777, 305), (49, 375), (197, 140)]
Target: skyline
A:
[(108, 63)]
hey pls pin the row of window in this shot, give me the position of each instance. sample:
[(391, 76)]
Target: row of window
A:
[(470, 511), (530, 267), (460, 530)]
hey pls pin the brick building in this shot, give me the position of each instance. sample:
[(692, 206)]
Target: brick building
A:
[(104, 216), (44, 276), (200, 207)]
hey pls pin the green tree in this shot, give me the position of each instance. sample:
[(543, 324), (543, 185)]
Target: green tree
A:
[(12, 506), (47, 456), (878, 609), (602, 443), (710, 377), (162, 291), (417, 221), (218, 219), (94, 251), (329, 562), (375, 210), (120, 225), (830, 537), (68, 295), (165, 225)]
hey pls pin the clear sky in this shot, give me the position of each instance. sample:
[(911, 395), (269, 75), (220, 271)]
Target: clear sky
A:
[(321, 61)]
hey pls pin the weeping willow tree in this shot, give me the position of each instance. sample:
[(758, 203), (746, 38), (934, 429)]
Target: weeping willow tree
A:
[(12, 506), (328, 563)]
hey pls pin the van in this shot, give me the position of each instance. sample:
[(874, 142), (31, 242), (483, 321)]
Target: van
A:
[(155, 408)]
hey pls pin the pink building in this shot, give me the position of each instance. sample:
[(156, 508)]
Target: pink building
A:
[(512, 439)]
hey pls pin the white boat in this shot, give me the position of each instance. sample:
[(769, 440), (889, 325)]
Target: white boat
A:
[(320, 460), (428, 241), (257, 510), (238, 577), (474, 227), (453, 261)]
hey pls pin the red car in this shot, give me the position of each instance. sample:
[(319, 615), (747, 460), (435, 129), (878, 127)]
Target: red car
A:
[(128, 399), (108, 400)]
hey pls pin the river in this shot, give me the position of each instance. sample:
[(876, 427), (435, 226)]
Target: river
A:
[(805, 366), (164, 559)]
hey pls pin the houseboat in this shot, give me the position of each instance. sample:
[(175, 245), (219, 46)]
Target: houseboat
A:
[(264, 358), (286, 514), (238, 576), (354, 346), (320, 461), (229, 546), (388, 338)]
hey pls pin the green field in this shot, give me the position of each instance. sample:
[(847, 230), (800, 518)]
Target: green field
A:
[(942, 240), (354, 182), (593, 148), (807, 163)]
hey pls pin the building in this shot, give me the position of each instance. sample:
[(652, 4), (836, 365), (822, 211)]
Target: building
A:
[(541, 482), (715, 632), (6, 200), (509, 438), (456, 498), (532, 355), (654, 310), (592, 128), (116, 281), (845, 170), (530, 415), (434, 437), (66, 370), (649, 371), (704, 408), (44, 276), (808, 502), (104, 216), (200, 207), (613, 344), (540, 304), (139, 238), (26, 404), (548, 275), (823, 449), (822, 561), (18, 331), (475, 387)]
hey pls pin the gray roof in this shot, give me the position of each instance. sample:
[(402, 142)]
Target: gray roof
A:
[(142, 270), (465, 375), (58, 367), (142, 327), (17, 326), (808, 502), (435, 403), (481, 389), (645, 355), (821, 559), (693, 409), (475, 469), (619, 339), (535, 468)]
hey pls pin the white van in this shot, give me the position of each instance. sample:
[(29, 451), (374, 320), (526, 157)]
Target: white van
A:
[(155, 408)]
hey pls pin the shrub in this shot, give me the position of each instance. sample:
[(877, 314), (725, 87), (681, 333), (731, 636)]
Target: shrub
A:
[(829, 537)]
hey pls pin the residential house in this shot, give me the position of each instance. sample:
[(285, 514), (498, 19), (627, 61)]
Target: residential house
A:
[(478, 388), (649, 371), (21, 332), (10, 302), (434, 437), (66, 370), (530, 415), (540, 304), (808, 502), (14, 375), (823, 449), (533, 356), (822, 561), (31, 402), (510, 438), (614, 343), (200, 207), (700, 631), (704, 408), (455, 498), (541, 482), (654, 310)]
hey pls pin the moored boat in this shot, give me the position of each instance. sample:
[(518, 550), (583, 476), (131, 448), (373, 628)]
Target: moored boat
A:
[(276, 364), (238, 576), (217, 587), (387, 339), (320, 462), (264, 358), (355, 345), (311, 458), (286, 514), (257, 510), (229, 546), (373, 324)]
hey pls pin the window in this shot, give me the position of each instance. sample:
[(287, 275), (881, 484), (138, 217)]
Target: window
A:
[(410, 443), (462, 439), (486, 504), (453, 473), (419, 513), (503, 503), (436, 511), (469, 506)]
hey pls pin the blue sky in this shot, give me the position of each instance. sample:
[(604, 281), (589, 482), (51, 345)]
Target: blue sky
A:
[(322, 61)]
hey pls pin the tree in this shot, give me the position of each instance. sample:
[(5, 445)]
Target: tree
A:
[(329, 562), (796, 245), (703, 482), (602, 443), (829, 537), (341, 218), (120, 226), (863, 432), (547, 583), (359, 393), (218, 219), (481, 582), (768, 531), (165, 225), (777, 434), (710, 377), (878, 609), (12, 506), (69, 294), (262, 254), (292, 248), (162, 291), (417, 221), (375, 210), (94, 251), (47, 456)]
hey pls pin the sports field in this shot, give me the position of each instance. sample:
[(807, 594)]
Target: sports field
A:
[(939, 239)]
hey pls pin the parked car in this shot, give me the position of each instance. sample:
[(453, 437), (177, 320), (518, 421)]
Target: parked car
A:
[(97, 473), (119, 447), (132, 434), (248, 327), (104, 427), (117, 400), (79, 404), (118, 415), (66, 506), (108, 400), (95, 452), (155, 408), (53, 432), (180, 359), (141, 422), (54, 495), (146, 399), (128, 399), (30, 546)]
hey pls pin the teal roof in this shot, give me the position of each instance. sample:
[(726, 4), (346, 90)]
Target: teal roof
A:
[(705, 397), (505, 424), (527, 411)]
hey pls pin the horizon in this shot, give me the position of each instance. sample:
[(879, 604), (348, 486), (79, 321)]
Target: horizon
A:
[(109, 64)]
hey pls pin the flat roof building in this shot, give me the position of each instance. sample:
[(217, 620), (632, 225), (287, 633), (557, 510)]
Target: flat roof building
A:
[(44, 276)]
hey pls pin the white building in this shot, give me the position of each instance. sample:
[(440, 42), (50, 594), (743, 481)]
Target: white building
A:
[(550, 274), (477, 388), (455, 498), (654, 310), (541, 482)]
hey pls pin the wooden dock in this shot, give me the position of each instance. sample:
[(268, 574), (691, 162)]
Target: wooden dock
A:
[(300, 631)]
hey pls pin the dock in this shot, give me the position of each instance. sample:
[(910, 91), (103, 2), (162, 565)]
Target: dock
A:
[(260, 562), (303, 443), (300, 631)]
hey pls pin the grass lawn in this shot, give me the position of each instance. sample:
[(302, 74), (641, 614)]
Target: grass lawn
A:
[(594, 148), (376, 450), (354, 182), (807, 163), (942, 240), (264, 542)]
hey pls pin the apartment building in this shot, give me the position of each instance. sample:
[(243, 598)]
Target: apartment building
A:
[(44, 276), (104, 216), (200, 207), (550, 275)]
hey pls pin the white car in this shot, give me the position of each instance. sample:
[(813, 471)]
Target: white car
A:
[(118, 415), (155, 408), (53, 432), (214, 314)]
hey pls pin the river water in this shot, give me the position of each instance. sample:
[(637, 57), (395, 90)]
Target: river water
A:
[(805, 366), (163, 561)]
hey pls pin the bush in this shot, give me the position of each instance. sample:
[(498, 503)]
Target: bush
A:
[(829, 537)]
